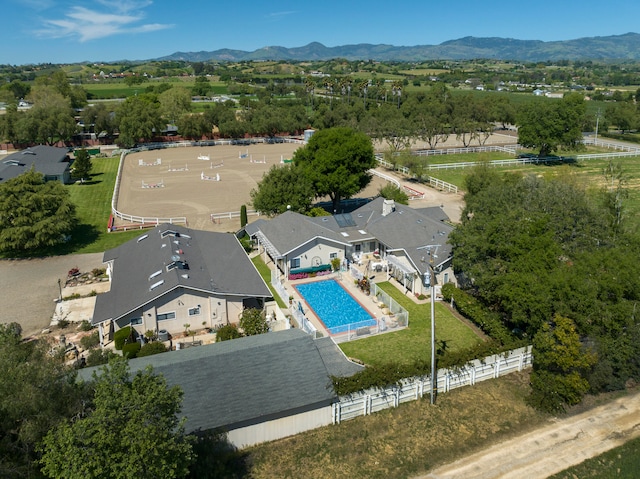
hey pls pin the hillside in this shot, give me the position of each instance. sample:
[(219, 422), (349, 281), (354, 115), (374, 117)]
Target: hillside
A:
[(615, 47)]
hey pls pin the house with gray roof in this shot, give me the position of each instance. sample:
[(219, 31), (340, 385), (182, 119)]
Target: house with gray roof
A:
[(298, 245), (171, 276), (411, 244), (256, 388), (53, 162)]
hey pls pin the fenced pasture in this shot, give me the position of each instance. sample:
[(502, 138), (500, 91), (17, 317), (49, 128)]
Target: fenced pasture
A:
[(181, 172)]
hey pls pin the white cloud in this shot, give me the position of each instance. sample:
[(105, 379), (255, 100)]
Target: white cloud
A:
[(280, 14), (91, 24)]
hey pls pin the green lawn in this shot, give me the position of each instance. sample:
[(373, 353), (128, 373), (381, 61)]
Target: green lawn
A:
[(93, 207), (621, 463), (265, 272), (413, 343), (122, 90)]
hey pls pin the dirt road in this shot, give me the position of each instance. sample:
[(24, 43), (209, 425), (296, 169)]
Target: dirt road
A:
[(30, 286), (554, 448)]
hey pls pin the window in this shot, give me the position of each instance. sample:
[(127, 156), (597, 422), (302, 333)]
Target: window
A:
[(165, 316), (333, 255), (194, 311), (134, 321), (295, 263)]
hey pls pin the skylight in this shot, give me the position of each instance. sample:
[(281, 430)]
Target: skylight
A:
[(143, 237), (153, 275), (155, 285)]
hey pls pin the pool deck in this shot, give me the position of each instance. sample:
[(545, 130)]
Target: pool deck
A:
[(368, 302)]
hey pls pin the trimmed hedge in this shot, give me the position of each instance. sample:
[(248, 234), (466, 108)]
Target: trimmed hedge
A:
[(130, 350), (150, 349), (474, 311), (120, 337)]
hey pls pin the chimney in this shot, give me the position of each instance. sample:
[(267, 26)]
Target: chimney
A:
[(388, 206)]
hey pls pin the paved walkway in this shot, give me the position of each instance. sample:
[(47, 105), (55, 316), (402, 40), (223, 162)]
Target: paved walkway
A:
[(553, 448)]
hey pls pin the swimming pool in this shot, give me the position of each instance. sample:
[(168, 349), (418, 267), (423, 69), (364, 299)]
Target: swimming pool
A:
[(334, 306)]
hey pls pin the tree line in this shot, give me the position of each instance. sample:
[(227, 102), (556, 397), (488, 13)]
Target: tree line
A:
[(555, 260), (382, 109)]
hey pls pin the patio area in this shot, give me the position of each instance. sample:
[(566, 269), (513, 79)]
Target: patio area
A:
[(386, 319)]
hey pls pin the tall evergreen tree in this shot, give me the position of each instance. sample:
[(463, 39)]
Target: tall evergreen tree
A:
[(34, 214), (82, 165)]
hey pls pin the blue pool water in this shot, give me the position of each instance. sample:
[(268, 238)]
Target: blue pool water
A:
[(334, 306)]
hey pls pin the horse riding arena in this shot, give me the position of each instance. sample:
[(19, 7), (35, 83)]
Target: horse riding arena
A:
[(207, 185), (195, 182)]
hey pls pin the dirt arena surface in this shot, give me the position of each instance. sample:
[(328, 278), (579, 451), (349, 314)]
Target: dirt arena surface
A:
[(175, 188), (185, 193)]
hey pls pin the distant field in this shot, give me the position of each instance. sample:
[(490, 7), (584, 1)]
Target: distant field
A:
[(122, 90), (423, 71), (587, 172)]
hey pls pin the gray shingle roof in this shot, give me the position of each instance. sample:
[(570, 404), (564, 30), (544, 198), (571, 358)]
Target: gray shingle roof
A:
[(216, 262), (290, 230), (249, 380), (48, 160)]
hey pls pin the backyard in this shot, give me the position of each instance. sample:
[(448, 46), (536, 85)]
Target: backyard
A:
[(413, 343)]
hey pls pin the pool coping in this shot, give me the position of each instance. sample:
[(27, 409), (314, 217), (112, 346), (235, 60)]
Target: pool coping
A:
[(347, 283)]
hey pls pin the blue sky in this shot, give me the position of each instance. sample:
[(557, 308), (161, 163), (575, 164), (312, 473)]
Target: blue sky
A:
[(69, 31)]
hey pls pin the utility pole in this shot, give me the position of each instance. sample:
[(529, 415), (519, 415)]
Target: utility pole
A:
[(430, 281)]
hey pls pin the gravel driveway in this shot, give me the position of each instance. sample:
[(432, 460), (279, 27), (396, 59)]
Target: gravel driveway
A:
[(553, 448), (30, 287)]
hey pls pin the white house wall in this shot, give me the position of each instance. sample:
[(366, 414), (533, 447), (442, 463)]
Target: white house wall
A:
[(320, 249), (279, 428), (214, 311)]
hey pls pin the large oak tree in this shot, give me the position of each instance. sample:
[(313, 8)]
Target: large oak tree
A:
[(337, 161)]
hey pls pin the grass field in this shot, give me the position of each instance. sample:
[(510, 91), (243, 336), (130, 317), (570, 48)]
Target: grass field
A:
[(620, 463), (93, 207), (107, 91), (413, 343), (406, 441)]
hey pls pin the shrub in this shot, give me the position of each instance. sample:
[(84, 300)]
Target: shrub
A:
[(97, 272), (121, 336), (96, 357), (150, 349), (243, 216), (72, 296), (74, 272), (229, 331), (473, 310), (85, 325), (335, 264), (91, 341), (130, 350), (63, 323)]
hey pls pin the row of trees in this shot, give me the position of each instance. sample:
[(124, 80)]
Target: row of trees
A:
[(382, 110), (556, 261)]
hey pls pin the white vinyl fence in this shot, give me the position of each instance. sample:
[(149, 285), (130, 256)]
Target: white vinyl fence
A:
[(374, 400)]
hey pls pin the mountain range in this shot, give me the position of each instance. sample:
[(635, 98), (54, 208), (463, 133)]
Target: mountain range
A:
[(614, 47)]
